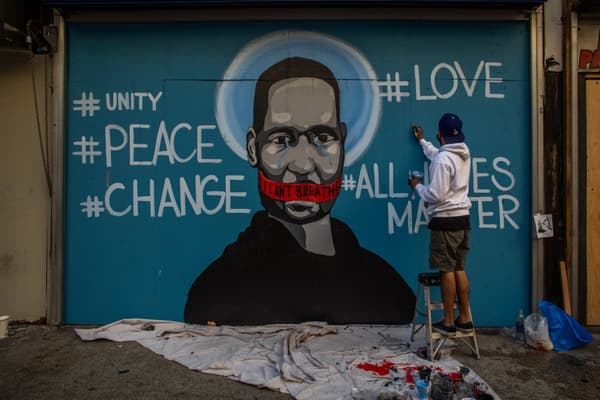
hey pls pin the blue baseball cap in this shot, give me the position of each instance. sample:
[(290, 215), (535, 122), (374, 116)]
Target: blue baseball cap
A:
[(450, 127)]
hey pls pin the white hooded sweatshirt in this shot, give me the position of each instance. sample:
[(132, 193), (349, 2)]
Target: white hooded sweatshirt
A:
[(447, 194)]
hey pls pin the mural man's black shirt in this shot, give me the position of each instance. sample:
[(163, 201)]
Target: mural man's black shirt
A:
[(267, 277)]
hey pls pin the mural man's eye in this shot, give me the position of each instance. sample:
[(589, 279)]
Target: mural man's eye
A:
[(281, 139), (323, 138)]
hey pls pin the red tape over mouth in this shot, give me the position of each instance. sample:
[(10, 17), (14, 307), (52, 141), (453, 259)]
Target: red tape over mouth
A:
[(315, 192)]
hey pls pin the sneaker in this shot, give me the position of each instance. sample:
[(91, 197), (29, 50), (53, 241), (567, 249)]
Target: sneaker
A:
[(466, 327), (447, 330)]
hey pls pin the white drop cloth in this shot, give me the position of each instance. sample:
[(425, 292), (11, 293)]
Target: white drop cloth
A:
[(312, 360)]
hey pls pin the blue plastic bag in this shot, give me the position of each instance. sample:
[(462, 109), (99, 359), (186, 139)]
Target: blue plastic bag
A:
[(565, 332)]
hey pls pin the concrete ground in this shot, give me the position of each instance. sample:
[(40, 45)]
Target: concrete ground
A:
[(52, 363)]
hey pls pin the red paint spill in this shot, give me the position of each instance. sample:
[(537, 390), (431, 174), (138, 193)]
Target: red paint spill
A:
[(379, 369), (409, 377), (455, 376)]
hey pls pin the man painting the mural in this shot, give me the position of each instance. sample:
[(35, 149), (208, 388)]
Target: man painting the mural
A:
[(448, 204), (295, 262)]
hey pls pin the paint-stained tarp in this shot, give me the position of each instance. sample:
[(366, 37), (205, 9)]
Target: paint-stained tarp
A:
[(312, 360)]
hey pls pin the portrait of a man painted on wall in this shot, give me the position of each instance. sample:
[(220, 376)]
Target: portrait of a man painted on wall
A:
[(295, 262)]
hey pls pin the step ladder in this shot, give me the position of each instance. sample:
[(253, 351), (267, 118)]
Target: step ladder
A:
[(435, 340)]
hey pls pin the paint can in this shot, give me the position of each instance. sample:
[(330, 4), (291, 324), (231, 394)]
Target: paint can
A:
[(4, 326)]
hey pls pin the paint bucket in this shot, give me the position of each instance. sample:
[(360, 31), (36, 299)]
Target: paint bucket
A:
[(4, 326)]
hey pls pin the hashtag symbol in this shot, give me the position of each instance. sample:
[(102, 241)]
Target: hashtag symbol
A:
[(392, 89), (87, 149), (86, 104), (348, 183), (92, 207)]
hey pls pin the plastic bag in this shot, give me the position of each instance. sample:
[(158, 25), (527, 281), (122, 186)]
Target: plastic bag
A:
[(536, 332), (565, 332)]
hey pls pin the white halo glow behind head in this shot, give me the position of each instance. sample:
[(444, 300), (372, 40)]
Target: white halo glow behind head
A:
[(360, 106)]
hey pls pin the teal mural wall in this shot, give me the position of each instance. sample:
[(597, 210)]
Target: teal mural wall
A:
[(158, 183)]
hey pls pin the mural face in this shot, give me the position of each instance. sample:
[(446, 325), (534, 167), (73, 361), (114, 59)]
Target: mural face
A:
[(300, 148), (264, 180)]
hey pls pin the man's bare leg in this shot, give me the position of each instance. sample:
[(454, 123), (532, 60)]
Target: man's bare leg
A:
[(462, 290), (448, 296)]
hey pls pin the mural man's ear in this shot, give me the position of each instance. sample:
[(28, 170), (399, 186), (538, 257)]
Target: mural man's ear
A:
[(251, 147)]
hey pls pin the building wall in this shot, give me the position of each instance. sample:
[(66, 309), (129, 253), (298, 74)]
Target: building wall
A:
[(24, 200), (25, 211), (588, 63)]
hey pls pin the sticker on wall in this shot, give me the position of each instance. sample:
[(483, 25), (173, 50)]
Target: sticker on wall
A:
[(543, 225)]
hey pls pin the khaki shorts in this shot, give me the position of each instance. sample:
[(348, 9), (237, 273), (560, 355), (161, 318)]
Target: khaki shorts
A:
[(448, 250)]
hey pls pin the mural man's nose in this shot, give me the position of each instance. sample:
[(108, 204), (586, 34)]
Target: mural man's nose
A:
[(301, 157)]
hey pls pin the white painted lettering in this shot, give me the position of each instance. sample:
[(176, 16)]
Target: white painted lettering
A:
[(108, 200), (162, 139), (434, 87), (503, 171), (481, 213), (363, 183), (213, 193), (133, 145), (154, 100), (123, 101), (418, 86), (137, 198), (129, 101), (489, 80), (177, 157), (167, 199), (201, 145), (378, 194), (109, 148), (177, 198), (504, 213), (229, 194), (469, 88), (478, 175), (395, 221), (393, 194)]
